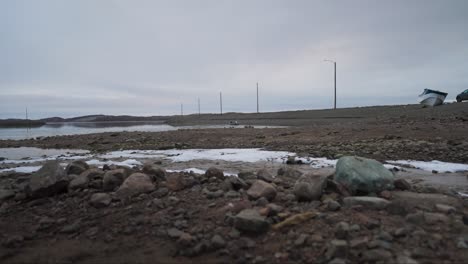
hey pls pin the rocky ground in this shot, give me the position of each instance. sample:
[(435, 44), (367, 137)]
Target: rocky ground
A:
[(83, 214), (145, 214)]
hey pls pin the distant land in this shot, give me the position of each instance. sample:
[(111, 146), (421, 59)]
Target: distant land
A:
[(284, 118)]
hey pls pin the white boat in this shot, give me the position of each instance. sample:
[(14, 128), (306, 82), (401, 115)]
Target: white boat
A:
[(432, 97)]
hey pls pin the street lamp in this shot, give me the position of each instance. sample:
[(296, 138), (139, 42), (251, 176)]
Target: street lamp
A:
[(334, 63)]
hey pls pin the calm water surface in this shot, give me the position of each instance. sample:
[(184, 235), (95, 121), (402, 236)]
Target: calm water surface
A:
[(79, 128)]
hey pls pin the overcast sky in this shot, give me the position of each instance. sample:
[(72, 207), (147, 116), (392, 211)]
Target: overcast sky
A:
[(70, 58)]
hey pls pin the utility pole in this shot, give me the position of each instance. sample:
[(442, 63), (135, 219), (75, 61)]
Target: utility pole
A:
[(199, 113), (221, 102), (257, 100), (334, 63)]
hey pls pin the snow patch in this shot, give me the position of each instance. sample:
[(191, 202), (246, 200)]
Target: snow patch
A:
[(24, 169), (128, 162), (200, 171), (432, 165)]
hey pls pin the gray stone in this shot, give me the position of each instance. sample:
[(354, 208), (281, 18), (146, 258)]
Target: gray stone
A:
[(342, 230), (249, 220), (361, 175), (78, 182), (93, 174), (217, 242), (214, 172), (113, 179), (402, 184), (154, 171), (333, 205), (176, 182), (246, 175), (376, 255), (367, 202), (403, 259), (301, 240), (261, 189), (446, 209), (174, 233), (72, 228), (434, 218), (6, 194), (51, 179), (337, 249), (264, 175), (236, 183), (100, 200), (135, 184), (77, 167), (310, 187), (411, 200), (287, 172)]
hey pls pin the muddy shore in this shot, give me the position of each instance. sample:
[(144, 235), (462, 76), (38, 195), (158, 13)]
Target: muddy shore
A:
[(209, 218)]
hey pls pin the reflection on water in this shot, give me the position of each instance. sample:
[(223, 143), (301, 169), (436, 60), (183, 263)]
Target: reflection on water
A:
[(79, 128)]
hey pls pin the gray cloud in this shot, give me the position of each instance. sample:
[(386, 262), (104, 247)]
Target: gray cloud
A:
[(146, 57)]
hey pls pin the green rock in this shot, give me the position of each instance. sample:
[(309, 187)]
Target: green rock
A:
[(361, 175)]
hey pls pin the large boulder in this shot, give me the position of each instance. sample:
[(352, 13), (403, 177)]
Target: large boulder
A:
[(361, 175), (113, 179), (309, 187), (135, 184), (77, 167), (51, 179), (250, 220), (261, 189)]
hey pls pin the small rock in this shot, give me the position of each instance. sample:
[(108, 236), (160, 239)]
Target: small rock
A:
[(214, 172), (434, 218), (76, 167), (79, 182), (174, 233), (261, 189), (176, 182), (402, 184), (264, 175), (6, 194), (218, 242), (341, 230), (100, 200), (446, 209), (72, 228), (113, 179), (93, 174), (367, 202), (376, 255), (155, 172), (309, 187), (249, 220), (136, 183), (300, 241), (333, 205), (337, 249)]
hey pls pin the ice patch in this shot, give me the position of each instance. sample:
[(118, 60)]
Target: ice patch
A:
[(200, 171), (175, 155), (25, 169), (128, 162), (432, 165), (463, 194)]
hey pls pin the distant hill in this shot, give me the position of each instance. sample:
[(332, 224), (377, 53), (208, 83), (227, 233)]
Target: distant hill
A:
[(105, 118), (11, 123)]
